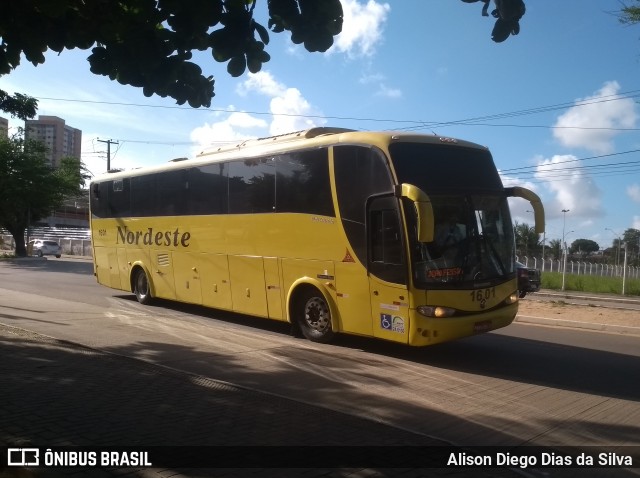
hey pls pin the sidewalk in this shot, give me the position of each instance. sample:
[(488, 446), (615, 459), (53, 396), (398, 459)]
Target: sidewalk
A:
[(56, 393), (594, 312)]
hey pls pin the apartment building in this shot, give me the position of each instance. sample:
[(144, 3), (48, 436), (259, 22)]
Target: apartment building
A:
[(4, 128), (61, 140)]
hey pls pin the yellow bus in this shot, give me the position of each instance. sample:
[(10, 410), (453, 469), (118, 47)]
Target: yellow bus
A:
[(401, 237)]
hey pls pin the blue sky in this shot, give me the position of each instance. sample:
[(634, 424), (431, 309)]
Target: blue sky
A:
[(557, 104)]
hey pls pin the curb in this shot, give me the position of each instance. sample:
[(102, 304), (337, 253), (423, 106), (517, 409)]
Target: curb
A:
[(593, 327), (601, 298)]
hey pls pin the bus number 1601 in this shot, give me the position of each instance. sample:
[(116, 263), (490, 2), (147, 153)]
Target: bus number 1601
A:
[(482, 295)]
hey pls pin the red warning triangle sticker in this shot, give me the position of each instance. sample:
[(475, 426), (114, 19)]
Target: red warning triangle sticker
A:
[(348, 257)]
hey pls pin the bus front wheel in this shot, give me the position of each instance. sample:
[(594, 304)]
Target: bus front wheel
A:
[(314, 317), (141, 287)]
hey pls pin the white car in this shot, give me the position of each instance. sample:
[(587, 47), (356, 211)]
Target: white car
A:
[(41, 248)]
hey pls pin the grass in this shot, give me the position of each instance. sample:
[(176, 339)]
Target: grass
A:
[(594, 284)]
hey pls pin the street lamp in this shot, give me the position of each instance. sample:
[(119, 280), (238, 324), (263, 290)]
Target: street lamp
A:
[(564, 221), (564, 265)]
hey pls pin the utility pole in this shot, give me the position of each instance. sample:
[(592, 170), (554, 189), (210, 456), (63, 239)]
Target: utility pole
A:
[(109, 143)]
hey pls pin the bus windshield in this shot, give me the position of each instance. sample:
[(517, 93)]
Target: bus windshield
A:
[(473, 239)]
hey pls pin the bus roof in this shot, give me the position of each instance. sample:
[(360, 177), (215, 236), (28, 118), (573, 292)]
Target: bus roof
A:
[(278, 139), (313, 137)]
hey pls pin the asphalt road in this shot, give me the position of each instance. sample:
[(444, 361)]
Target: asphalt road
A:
[(520, 385)]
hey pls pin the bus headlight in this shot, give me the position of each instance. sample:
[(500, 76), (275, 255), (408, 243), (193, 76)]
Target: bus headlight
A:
[(512, 299), (436, 311)]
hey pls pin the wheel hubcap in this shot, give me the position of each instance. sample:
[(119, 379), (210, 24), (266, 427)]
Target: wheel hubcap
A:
[(316, 314)]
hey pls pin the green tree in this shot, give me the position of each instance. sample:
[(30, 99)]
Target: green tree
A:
[(632, 238), (583, 247), (630, 14), (555, 249), (149, 43), (527, 240), (29, 188), (18, 105)]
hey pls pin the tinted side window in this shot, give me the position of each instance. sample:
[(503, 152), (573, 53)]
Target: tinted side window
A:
[(386, 242), (302, 183), (361, 172), (172, 188), (386, 245), (119, 201), (100, 199), (144, 200), (252, 186), (208, 191)]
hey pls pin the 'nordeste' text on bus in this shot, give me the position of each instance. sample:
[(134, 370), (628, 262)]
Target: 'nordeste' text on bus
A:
[(150, 237)]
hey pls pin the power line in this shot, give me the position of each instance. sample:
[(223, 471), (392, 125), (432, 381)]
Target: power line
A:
[(543, 109), (572, 177), (417, 124), (601, 170), (525, 168), (551, 173)]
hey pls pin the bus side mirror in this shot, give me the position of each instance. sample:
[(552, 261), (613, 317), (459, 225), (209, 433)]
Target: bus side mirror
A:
[(424, 210), (536, 203)]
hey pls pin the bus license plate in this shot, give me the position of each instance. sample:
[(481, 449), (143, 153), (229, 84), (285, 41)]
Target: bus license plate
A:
[(481, 327)]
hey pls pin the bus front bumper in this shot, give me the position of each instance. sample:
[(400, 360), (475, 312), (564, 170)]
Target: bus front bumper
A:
[(428, 331)]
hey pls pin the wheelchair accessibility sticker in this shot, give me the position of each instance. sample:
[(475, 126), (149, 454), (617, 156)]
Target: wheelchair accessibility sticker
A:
[(392, 323)]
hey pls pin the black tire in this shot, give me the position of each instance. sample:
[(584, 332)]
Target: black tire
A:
[(39, 254), (522, 294), (141, 287), (314, 316), (58, 256)]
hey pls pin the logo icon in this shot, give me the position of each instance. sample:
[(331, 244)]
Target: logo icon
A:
[(23, 456)]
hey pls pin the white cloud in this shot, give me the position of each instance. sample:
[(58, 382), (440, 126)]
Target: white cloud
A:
[(634, 192), (387, 92), (636, 222), (237, 126), (602, 110), (262, 82), (290, 111), (572, 189), (362, 27), (382, 88)]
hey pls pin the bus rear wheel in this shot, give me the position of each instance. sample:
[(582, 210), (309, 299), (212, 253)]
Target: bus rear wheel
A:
[(314, 317), (141, 287)]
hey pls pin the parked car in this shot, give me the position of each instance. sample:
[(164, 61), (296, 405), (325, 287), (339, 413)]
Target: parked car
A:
[(40, 247), (528, 279)]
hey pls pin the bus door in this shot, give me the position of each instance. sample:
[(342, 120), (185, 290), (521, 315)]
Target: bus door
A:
[(387, 270), (186, 269)]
